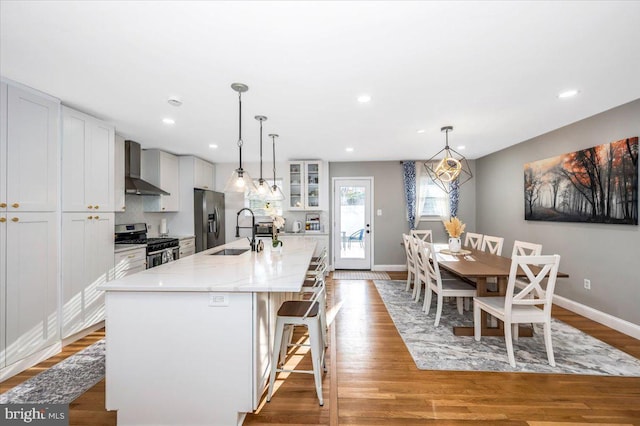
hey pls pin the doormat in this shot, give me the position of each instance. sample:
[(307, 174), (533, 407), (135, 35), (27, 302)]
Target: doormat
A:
[(360, 275), (436, 348), (62, 383)]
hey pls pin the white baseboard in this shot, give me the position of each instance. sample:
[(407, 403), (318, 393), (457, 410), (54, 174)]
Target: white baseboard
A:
[(30, 361), (603, 318), (393, 268), (83, 333)]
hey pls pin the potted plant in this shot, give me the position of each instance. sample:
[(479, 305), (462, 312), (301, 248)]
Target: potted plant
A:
[(278, 222), (454, 228)]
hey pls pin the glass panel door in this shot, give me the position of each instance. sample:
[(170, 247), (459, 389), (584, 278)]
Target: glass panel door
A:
[(296, 189), (353, 228), (313, 184)]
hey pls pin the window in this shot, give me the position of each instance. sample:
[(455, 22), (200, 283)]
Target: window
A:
[(432, 202), (265, 208)]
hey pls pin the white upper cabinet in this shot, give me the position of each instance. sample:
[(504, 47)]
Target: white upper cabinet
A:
[(3, 151), (87, 163), (118, 179), (29, 147), (162, 170), (307, 186), (204, 174)]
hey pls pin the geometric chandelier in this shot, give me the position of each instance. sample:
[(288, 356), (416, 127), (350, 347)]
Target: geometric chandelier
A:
[(446, 168)]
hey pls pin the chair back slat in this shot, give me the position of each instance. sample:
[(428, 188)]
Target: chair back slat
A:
[(548, 269), (316, 294), (422, 234), (492, 244), (432, 268), (522, 248), (473, 240)]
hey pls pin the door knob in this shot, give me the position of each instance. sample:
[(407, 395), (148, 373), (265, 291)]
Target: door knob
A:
[(15, 219), (15, 205)]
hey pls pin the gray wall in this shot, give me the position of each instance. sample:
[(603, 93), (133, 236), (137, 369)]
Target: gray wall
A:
[(389, 196), (608, 255)]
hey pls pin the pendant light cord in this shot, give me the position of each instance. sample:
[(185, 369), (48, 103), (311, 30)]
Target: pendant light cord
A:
[(261, 180), (240, 128), (273, 138)]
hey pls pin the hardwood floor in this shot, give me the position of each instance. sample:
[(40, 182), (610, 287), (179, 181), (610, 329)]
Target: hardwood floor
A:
[(372, 380)]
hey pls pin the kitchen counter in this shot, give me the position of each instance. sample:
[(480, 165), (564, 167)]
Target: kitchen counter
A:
[(202, 325)]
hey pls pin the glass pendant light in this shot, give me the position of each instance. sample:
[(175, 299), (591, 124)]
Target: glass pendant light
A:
[(453, 166), (276, 192), (263, 189), (240, 180)]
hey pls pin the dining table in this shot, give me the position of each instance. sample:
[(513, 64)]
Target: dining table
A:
[(476, 266)]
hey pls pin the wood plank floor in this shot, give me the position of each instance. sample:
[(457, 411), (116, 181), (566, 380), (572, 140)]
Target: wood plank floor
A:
[(372, 380)]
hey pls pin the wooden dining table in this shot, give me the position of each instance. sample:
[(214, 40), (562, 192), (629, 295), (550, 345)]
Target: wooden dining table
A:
[(477, 266)]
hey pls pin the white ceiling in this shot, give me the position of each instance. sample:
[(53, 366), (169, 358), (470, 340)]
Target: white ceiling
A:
[(491, 69)]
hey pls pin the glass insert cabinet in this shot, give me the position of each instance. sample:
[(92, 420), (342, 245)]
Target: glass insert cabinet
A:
[(305, 185)]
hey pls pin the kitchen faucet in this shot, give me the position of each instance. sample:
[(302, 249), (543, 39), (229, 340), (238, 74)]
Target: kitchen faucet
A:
[(252, 241)]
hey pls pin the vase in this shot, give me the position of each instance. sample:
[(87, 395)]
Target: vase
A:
[(454, 244)]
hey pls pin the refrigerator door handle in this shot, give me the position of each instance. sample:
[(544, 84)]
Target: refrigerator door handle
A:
[(216, 230)]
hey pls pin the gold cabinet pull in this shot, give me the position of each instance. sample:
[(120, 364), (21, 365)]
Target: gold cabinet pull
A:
[(124, 207), (15, 219), (131, 256), (15, 205), (3, 219), (89, 207), (96, 217), (3, 205), (163, 208), (96, 207), (89, 217)]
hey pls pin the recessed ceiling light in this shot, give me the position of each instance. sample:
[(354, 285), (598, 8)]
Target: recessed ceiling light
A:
[(213, 145), (364, 98), (461, 147), (349, 149), (421, 131), (568, 93), (174, 101), (168, 121)]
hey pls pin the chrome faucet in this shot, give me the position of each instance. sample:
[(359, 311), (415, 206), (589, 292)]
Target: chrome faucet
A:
[(252, 241)]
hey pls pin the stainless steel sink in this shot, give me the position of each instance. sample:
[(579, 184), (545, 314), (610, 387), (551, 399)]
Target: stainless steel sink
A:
[(229, 252)]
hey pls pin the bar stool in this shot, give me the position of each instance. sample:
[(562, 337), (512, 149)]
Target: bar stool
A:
[(300, 312), (317, 285)]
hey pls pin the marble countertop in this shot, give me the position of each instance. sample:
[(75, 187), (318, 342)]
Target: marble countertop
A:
[(267, 271), (119, 248)]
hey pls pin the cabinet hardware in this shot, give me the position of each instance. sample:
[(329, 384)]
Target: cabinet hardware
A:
[(205, 186), (3, 219), (96, 207), (163, 208), (90, 217), (97, 217), (89, 207), (14, 219), (131, 256), (15, 205), (3, 205), (124, 207)]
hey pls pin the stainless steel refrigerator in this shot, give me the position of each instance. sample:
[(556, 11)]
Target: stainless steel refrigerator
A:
[(209, 218)]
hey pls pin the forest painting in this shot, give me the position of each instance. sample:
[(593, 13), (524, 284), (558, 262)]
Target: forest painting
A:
[(598, 185)]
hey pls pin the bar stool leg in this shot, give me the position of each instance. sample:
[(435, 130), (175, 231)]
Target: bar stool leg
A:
[(277, 343), (317, 351)]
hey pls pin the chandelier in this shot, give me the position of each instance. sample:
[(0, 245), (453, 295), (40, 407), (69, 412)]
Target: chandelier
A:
[(451, 167)]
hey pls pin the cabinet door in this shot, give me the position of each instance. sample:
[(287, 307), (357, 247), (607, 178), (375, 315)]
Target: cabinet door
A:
[(203, 176), (118, 167), (313, 178), (170, 182), (75, 252), (3, 286), (296, 186), (75, 157), (32, 296), (3, 147), (100, 168), (100, 266), (32, 151)]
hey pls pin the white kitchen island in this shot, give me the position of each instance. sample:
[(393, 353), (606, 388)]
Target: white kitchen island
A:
[(188, 342)]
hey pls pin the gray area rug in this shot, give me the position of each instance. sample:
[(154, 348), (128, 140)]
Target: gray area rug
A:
[(360, 275), (63, 382), (436, 348)]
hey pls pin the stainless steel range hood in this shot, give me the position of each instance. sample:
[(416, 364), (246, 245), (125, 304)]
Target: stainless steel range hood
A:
[(132, 182)]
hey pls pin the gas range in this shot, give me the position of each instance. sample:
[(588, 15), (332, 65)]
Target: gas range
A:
[(159, 249)]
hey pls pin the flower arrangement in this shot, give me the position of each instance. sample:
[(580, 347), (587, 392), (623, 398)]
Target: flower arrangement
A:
[(454, 227), (278, 222)]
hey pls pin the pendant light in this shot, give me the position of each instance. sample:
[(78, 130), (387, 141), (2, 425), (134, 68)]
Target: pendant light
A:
[(263, 189), (451, 167), (276, 192), (240, 180)]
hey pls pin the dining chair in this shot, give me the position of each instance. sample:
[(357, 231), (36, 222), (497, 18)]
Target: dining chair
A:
[(305, 313), (473, 241), (516, 308), (356, 236), (422, 234), (408, 241), (420, 269), (443, 288), (523, 248), (492, 244)]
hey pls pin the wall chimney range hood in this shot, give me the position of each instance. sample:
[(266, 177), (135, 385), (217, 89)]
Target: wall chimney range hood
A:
[(132, 182)]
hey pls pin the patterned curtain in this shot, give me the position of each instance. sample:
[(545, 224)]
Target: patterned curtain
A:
[(409, 175), (454, 196)]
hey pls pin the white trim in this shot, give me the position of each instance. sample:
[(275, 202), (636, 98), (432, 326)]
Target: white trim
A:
[(393, 268), (603, 318), (30, 361), (83, 333)]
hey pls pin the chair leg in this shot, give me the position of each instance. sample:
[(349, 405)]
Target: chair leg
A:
[(277, 345), (509, 342), (459, 301), (417, 288), (477, 328), (516, 331), (408, 279), (426, 307), (547, 343), (467, 302), (287, 337), (316, 356), (439, 309)]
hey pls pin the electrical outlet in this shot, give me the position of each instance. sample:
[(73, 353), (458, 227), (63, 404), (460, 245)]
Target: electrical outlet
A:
[(587, 284), (218, 299)]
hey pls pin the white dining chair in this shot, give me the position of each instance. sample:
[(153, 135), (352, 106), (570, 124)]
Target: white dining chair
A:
[(473, 241), (408, 241), (523, 248), (421, 262), (422, 234), (492, 245), (443, 288), (518, 308)]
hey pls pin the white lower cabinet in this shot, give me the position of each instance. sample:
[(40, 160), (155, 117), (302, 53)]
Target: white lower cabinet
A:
[(130, 262), (30, 279), (87, 261), (187, 246)]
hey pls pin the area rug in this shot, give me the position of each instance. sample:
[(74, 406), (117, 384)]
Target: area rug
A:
[(436, 348), (63, 382), (360, 275)]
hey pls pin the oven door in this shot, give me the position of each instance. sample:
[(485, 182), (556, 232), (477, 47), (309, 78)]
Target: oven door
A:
[(163, 256)]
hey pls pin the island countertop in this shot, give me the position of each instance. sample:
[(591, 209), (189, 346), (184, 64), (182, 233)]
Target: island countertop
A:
[(267, 271)]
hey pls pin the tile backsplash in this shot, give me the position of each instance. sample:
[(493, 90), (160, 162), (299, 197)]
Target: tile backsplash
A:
[(135, 214)]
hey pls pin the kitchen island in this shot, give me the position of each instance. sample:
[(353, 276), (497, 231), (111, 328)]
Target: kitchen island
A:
[(188, 342)]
